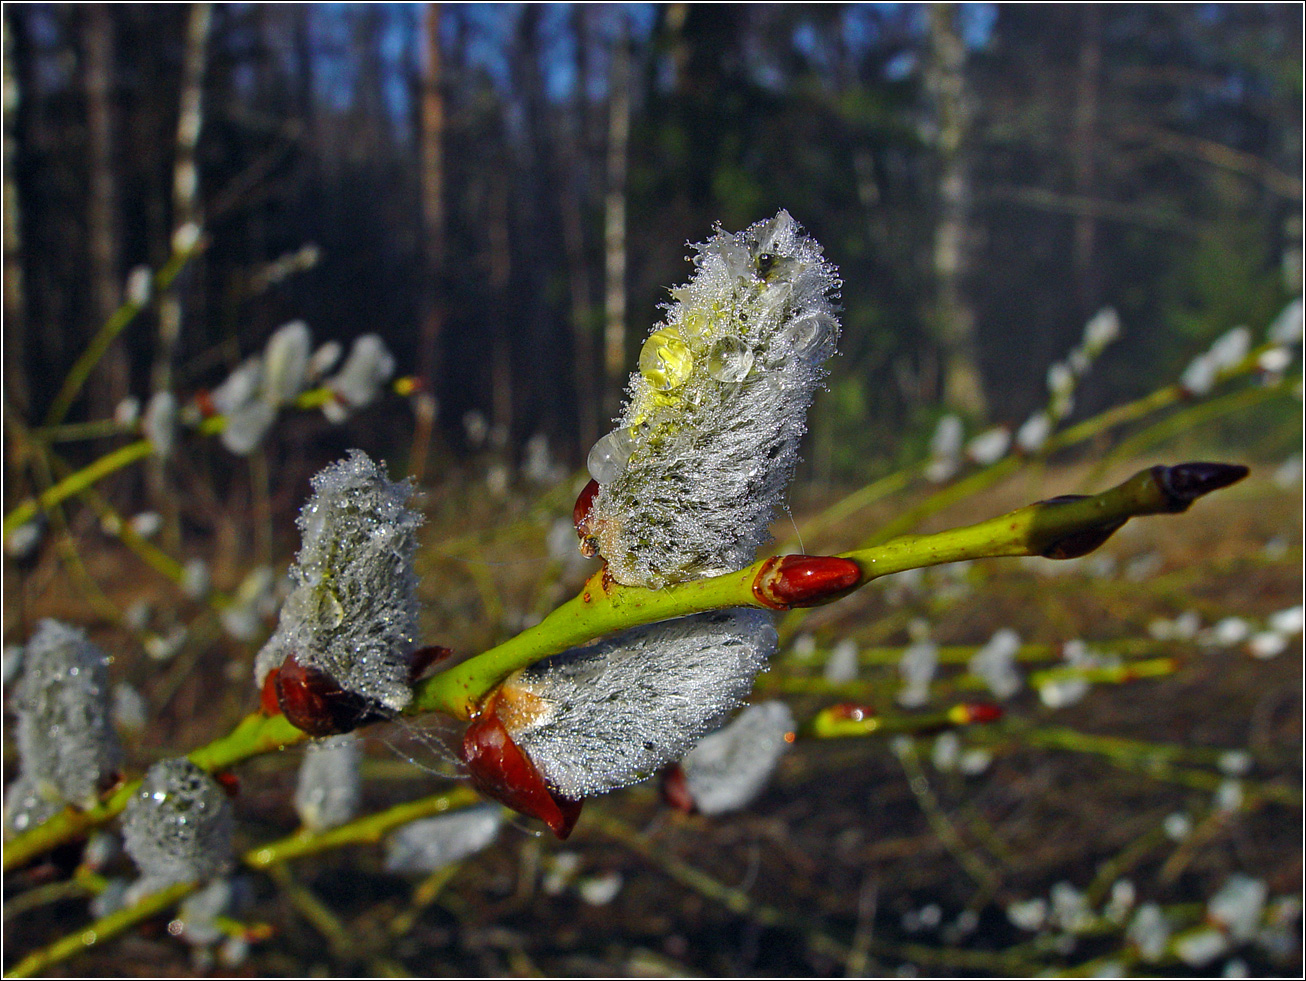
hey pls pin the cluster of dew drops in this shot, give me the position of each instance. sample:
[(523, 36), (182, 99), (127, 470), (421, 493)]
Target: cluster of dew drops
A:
[(667, 361)]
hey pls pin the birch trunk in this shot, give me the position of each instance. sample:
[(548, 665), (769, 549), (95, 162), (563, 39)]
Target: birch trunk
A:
[(963, 388)]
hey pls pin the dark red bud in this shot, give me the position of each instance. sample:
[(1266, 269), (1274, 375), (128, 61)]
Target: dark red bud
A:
[(267, 697), (499, 769), (204, 402), (423, 658), (787, 581), (981, 712), (314, 701), (580, 517), (675, 789), (228, 781), (1080, 543)]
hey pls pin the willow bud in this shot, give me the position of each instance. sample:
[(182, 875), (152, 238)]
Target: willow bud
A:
[(597, 718), (727, 770)]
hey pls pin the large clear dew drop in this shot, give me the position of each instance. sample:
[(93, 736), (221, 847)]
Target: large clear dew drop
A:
[(811, 336), (730, 360), (608, 457)]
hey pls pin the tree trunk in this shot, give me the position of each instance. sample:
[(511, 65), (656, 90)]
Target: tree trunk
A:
[(431, 139), (111, 382), (1084, 151), (573, 178), (500, 273), (185, 183), (615, 220), (963, 388), (15, 328), (186, 229)]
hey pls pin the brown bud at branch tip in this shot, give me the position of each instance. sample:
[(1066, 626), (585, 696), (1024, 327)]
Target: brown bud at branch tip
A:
[(1082, 542), (1186, 482), (787, 581)]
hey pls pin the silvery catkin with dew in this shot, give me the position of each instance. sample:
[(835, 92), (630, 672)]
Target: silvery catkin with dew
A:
[(708, 439)]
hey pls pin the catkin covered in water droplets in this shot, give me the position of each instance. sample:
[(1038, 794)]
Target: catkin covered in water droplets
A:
[(177, 827), (66, 739), (708, 440), (353, 611), (596, 718)]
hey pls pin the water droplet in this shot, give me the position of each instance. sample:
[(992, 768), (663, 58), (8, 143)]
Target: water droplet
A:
[(607, 458), (335, 612), (730, 360), (693, 325), (665, 360), (811, 336)]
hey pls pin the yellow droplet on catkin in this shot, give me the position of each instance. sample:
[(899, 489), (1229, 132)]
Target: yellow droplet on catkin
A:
[(666, 360)]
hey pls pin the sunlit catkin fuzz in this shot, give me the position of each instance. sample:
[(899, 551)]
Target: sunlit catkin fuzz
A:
[(352, 613), (601, 717), (708, 439), (329, 788), (430, 844), (66, 740), (177, 827), (729, 768)]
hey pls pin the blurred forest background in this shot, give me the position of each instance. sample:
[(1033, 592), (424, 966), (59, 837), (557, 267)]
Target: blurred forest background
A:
[(504, 193)]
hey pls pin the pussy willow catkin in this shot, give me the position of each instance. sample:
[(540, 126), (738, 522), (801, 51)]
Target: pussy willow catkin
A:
[(708, 439)]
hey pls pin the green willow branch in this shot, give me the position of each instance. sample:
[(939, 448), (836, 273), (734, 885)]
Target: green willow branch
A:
[(124, 456), (76, 483), (1060, 528), (1185, 420), (365, 830), (117, 322), (103, 929), (1119, 415)]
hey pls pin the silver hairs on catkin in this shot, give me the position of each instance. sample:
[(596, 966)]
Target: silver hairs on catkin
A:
[(66, 741), (605, 716), (708, 440), (353, 610)]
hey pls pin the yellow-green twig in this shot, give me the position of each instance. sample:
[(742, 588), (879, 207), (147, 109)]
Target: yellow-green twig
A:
[(117, 322)]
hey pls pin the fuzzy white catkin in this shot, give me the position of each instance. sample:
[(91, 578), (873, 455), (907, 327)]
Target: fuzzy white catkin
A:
[(369, 366), (177, 827), (1238, 905), (66, 739), (353, 610), (428, 845), (160, 423), (285, 358), (728, 769), (611, 714), (995, 662), (708, 439), (330, 787)]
